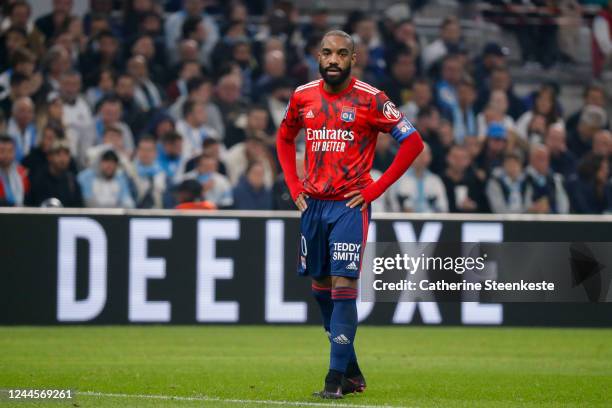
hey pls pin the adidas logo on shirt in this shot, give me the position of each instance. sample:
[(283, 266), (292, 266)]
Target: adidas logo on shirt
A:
[(309, 115), (341, 339), (352, 266)]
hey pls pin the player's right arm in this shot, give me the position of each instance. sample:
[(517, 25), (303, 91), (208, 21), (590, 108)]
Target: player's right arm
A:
[(285, 148)]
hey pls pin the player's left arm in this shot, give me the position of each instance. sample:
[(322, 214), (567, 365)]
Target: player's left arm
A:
[(387, 118)]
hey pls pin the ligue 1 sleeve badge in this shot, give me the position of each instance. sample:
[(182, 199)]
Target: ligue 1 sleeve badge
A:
[(348, 114)]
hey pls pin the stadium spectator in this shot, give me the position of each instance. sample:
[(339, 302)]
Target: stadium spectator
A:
[(133, 14), (274, 68), (592, 119), (199, 89), (402, 69), (602, 40), (228, 98), (545, 193), (187, 196), (150, 177), (37, 159), (20, 87), (366, 32), (449, 41), (422, 97), (76, 113), (532, 125), (590, 191), (14, 183), (428, 122), (277, 100), (241, 155), (404, 37), (493, 56), (109, 115), (11, 40), (174, 27), (159, 124), (146, 93), (594, 94), (57, 20), (318, 23), (507, 186), (194, 29), (244, 61), (392, 17), (56, 180), (463, 116), (446, 88), (22, 127), (496, 111), (251, 192), (112, 139), (465, 192), (495, 145), (23, 62), (281, 195), (420, 190), (151, 48), (132, 114), (257, 125), (194, 128), (501, 81), (216, 188), (210, 147), (104, 85), (187, 69), (103, 52), (104, 184), (562, 160), (384, 152), (602, 144), (18, 16), (170, 155)]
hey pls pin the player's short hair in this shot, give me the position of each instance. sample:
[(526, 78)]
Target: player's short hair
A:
[(340, 33)]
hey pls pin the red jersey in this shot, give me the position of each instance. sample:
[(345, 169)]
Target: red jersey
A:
[(340, 132)]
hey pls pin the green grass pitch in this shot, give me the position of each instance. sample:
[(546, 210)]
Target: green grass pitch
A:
[(245, 366)]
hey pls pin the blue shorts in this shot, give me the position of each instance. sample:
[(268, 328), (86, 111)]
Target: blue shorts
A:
[(332, 239)]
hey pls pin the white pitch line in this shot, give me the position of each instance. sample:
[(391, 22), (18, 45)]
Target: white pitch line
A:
[(229, 401)]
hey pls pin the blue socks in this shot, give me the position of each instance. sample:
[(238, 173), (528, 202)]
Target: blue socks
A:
[(343, 325), (323, 296)]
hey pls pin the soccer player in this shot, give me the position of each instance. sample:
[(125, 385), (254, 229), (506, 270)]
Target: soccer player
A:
[(342, 117)]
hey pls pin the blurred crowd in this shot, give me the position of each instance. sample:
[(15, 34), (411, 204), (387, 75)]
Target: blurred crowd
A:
[(175, 104)]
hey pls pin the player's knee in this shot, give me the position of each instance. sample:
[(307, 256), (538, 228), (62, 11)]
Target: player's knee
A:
[(325, 282), (343, 282)]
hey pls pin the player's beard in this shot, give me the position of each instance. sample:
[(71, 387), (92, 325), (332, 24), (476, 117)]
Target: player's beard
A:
[(333, 81)]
